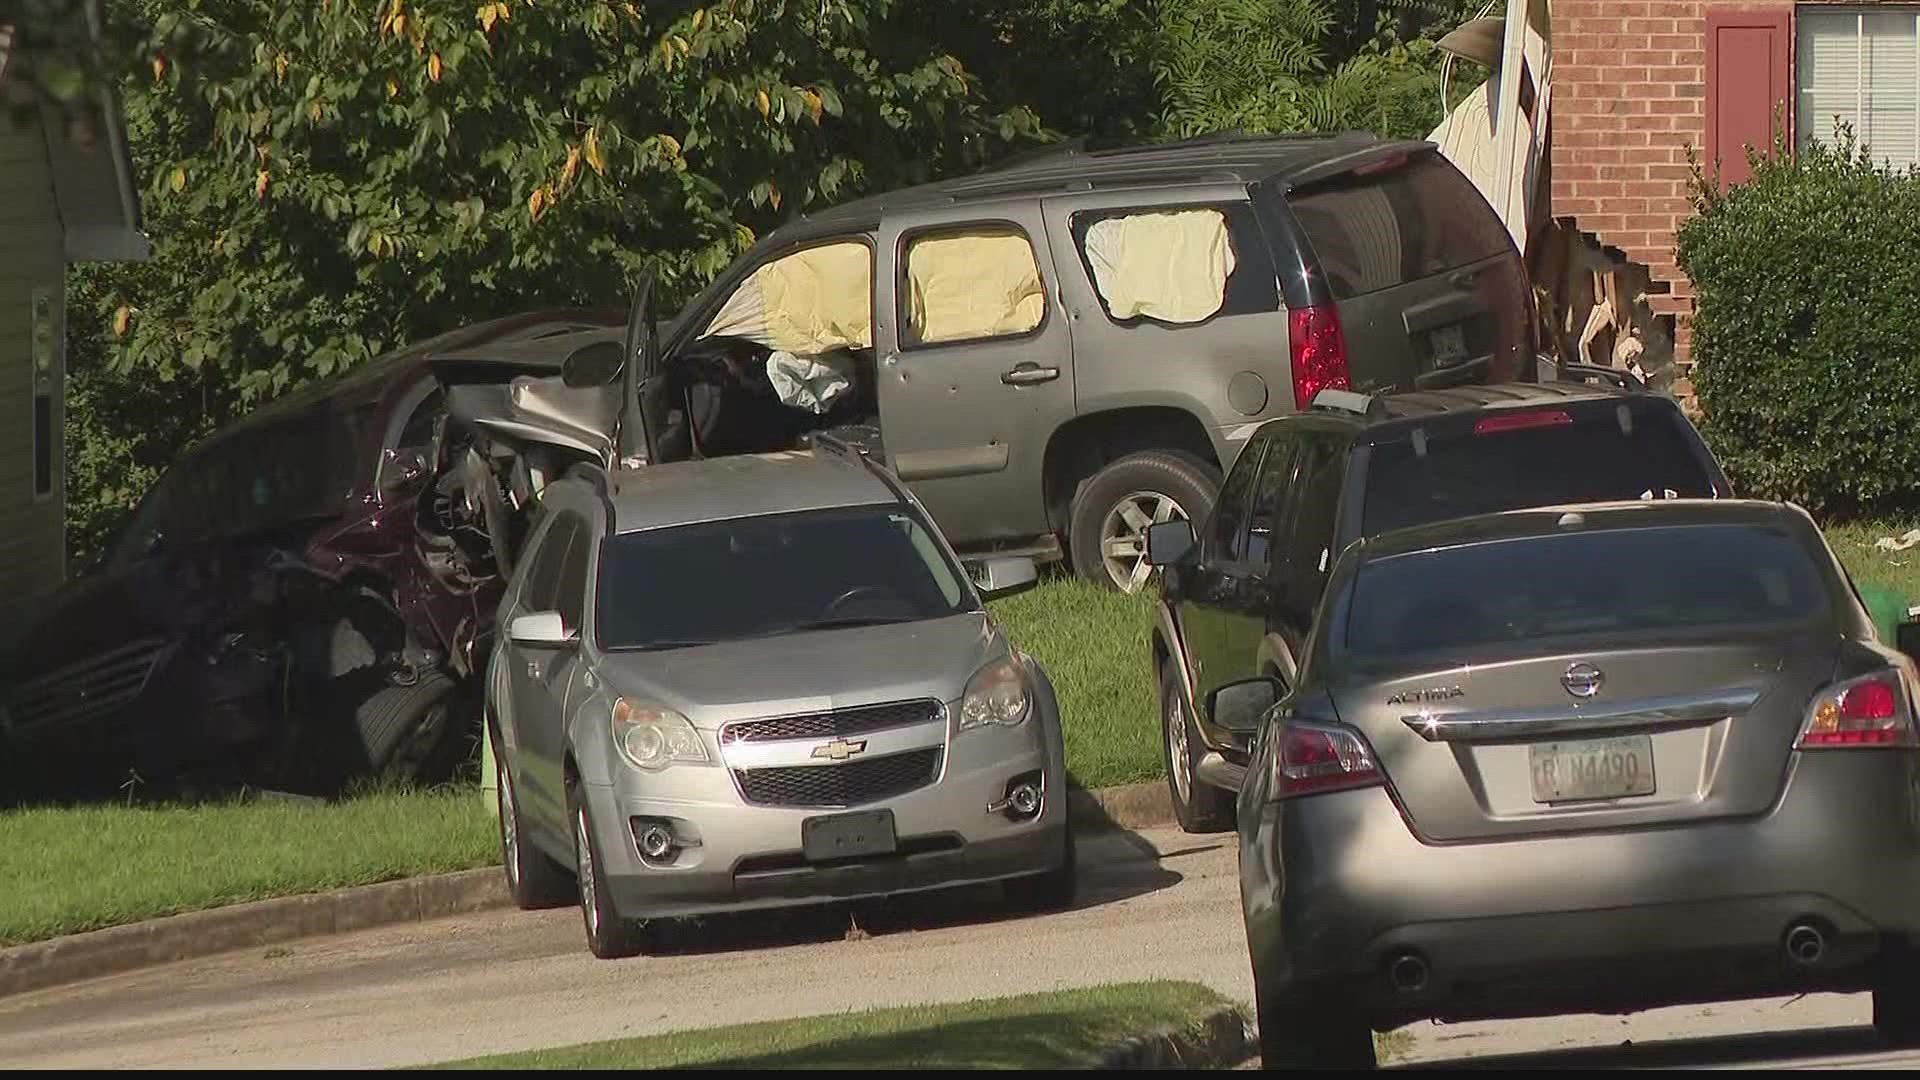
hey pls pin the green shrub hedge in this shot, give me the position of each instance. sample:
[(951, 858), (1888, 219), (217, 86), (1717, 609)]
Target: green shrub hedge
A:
[(1806, 331)]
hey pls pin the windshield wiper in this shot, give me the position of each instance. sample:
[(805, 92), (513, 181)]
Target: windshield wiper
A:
[(842, 621)]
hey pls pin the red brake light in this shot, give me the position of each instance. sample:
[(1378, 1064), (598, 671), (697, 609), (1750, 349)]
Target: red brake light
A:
[(1321, 757), (1520, 421), (1865, 712), (1319, 352)]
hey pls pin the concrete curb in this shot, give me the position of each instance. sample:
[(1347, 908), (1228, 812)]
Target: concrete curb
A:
[(245, 926), (1219, 1040), (265, 922)]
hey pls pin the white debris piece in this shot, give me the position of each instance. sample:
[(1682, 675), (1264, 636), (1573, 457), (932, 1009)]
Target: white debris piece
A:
[(1888, 543), (807, 382)]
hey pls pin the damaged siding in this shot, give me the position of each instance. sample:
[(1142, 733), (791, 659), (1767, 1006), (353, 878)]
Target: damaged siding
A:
[(32, 478)]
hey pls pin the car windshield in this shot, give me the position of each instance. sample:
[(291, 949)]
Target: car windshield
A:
[(1532, 458), (763, 576), (1634, 581)]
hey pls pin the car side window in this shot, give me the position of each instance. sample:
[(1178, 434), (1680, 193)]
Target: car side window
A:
[(418, 432), (571, 602), (1177, 265), (1227, 528), (974, 283), (1272, 497), (1310, 530), (543, 577)]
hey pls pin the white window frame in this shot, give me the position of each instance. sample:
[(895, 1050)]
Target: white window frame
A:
[(1816, 128)]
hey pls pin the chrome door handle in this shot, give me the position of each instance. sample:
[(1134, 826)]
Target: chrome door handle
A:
[(1027, 375), (533, 669)]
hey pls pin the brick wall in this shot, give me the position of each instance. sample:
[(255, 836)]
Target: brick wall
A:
[(1629, 94)]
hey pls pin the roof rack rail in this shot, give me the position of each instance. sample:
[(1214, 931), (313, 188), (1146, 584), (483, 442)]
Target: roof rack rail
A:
[(1347, 401)]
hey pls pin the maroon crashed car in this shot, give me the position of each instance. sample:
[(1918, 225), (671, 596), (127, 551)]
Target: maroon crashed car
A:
[(299, 600)]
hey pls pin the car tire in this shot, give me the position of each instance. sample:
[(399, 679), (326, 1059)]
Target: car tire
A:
[(1055, 890), (1151, 481), (401, 726), (1198, 806), (1297, 1034), (534, 879), (610, 936), (1896, 1002)]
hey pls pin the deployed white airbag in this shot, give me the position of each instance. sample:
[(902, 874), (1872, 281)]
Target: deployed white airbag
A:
[(966, 287), (812, 383), (1170, 266), (806, 303)]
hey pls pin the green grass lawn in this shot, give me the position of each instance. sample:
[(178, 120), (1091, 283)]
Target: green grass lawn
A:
[(1093, 644), (1897, 570), (69, 870), (1033, 1031)]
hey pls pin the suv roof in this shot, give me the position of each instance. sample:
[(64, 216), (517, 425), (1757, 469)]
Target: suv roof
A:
[(743, 485), (1210, 159), (1385, 413)]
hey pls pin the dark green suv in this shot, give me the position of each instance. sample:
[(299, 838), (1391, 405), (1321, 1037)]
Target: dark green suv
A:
[(1238, 599)]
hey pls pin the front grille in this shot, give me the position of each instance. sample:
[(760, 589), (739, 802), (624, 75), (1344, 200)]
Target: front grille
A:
[(829, 725), (850, 784), (87, 690)]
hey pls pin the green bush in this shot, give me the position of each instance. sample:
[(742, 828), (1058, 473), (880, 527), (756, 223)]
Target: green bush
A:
[(1806, 331)]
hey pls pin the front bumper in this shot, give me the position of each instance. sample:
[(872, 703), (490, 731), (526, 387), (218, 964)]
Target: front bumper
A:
[(1336, 889), (749, 857)]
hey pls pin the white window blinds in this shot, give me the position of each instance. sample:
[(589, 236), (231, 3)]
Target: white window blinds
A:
[(1863, 67)]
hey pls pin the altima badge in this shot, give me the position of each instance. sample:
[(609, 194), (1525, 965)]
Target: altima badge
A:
[(840, 749), (1583, 680)]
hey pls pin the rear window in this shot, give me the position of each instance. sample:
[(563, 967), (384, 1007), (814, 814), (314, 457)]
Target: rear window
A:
[(1586, 458), (1633, 581), (1376, 231)]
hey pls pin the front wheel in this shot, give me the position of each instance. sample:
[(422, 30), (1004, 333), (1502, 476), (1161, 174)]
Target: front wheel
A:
[(1107, 530), (1197, 805), (533, 879), (609, 935)]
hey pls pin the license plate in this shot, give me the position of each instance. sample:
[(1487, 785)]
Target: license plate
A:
[(847, 836), (1592, 769), (1448, 345)]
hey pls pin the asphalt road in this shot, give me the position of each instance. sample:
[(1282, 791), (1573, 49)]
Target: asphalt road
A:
[(1156, 905)]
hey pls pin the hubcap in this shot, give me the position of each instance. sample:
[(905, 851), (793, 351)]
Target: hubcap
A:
[(1181, 765), (509, 828), (585, 859), (1123, 536)]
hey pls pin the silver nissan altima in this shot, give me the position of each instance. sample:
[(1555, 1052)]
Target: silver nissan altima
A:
[(1586, 759), (761, 681)]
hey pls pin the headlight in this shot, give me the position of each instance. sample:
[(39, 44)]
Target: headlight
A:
[(997, 694), (654, 737)]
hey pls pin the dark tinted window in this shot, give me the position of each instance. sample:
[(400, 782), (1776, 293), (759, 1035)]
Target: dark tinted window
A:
[(1272, 499), (1310, 534), (418, 434), (763, 576), (1252, 287), (571, 599), (543, 577), (1634, 581), (1227, 528), (1379, 230), (1588, 460)]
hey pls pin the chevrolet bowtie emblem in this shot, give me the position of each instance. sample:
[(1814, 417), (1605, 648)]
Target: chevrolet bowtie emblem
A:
[(840, 749)]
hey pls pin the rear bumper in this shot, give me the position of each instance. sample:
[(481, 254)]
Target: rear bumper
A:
[(1336, 888)]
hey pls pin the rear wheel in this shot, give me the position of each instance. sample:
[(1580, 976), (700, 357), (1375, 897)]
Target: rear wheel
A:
[(1107, 530), (1197, 805), (402, 727), (1896, 1002), (533, 879), (1297, 1035)]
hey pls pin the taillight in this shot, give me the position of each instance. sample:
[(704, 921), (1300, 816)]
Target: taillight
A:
[(1869, 712), (1319, 353), (1521, 421), (1310, 758)]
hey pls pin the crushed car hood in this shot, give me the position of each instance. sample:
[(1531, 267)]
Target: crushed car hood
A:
[(813, 672)]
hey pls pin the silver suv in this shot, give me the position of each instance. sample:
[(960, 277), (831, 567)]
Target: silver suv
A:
[(763, 681)]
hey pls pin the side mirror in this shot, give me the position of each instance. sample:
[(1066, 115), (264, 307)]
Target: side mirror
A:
[(1907, 639), (542, 628), (1169, 542), (1005, 577), (597, 364), (1240, 706)]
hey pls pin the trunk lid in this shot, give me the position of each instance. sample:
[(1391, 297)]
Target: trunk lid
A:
[(1674, 732)]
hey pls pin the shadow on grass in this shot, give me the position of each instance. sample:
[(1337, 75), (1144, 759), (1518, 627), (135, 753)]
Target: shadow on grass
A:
[(1039, 1041)]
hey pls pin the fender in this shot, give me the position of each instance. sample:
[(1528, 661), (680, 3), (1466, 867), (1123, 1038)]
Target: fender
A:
[(1276, 654), (1167, 626)]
